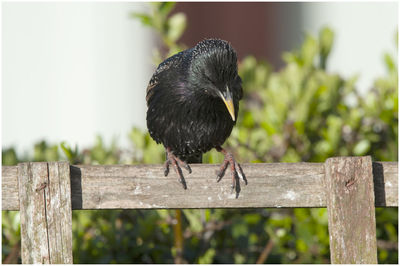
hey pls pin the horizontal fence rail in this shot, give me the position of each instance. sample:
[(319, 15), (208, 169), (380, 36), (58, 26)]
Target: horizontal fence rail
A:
[(146, 187), (350, 187)]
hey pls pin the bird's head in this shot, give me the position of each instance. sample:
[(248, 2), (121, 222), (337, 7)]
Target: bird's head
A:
[(214, 72)]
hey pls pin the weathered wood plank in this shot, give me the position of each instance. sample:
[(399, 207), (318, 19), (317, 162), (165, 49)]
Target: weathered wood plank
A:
[(351, 210), (9, 188), (59, 213), (144, 186), (33, 178), (46, 214)]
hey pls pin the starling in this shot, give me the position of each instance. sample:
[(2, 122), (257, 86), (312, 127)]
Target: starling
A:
[(193, 102)]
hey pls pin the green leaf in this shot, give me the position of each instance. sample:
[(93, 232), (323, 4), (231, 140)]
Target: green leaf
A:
[(176, 26), (239, 258), (207, 258), (144, 18), (326, 37), (194, 220), (165, 8), (390, 64), (9, 157), (309, 50), (240, 229), (362, 147), (301, 246), (66, 149)]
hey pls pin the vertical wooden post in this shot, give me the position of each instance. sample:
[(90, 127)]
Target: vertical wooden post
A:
[(46, 214), (32, 178), (351, 210)]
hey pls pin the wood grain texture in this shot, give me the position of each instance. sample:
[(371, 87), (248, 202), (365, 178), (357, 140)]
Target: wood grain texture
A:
[(145, 187), (59, 213), (351, 210), (9, 188), (46, 214), (34, 242)]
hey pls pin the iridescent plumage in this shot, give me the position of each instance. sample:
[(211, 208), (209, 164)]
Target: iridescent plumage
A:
[(193, 101)]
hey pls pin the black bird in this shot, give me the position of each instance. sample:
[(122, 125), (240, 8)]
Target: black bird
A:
[(193, 102)]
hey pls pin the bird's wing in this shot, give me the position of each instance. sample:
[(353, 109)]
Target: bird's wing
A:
[(169, 63)]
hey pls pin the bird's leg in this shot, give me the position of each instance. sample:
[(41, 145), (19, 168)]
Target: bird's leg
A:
[(176, 163), (236, 170)]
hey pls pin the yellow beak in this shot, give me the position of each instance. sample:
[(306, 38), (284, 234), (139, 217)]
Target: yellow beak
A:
[(229, 104)]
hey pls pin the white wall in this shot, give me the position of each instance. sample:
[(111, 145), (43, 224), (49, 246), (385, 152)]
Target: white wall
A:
[(72, 70), (363, 32)]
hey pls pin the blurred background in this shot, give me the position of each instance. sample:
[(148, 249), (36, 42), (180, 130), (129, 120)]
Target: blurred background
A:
[(85, 66), (320, 80)]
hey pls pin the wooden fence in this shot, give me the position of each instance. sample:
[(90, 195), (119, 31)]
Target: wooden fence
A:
[(350, 188)]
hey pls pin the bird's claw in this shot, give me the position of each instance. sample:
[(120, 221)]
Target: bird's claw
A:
[(166, 167), (222, 169), (176, 164), (240, 173), (186, 166), (236, 171)]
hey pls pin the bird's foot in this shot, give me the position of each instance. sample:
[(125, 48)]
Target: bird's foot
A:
[(236, 170), (176, 164)]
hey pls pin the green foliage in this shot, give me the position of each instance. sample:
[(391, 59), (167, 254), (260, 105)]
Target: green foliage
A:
[(303, 113), (146, 149), (11, 236), (299, 113), (120, 237), (169, 27), (9, 157)]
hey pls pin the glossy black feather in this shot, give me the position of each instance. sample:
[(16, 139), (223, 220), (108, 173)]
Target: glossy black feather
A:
[(185, 112)]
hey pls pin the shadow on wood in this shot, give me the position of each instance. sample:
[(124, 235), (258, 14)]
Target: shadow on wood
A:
[(76, 187), (379, 184)]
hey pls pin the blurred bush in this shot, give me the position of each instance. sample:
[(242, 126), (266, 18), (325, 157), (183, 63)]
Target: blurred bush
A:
[(299, 113)]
